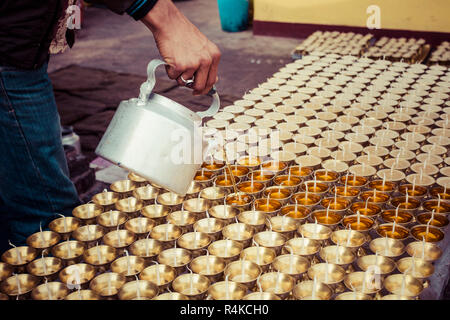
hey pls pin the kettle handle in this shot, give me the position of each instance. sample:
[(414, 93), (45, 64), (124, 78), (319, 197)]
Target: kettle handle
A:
[(147, 88)]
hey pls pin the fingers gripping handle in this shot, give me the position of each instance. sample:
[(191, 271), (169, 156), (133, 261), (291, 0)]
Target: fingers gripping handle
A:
[(147, 88)]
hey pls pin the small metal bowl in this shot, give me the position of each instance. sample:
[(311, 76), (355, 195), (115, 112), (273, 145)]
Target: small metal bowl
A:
[(109, 220), (209, 266), (166, 275), (147, 249), (240, 201), (403, 218), (227, 290), (277, 283), (130, 205), (254, 188), (282, 194), (349, 238), (261, 296), (439, 220), (26, 254), (100, 257), (380, 198), (380, 264), (359, 280), (400, 202), (138, 290), (303, 247), (83, 295), (270, 206), (226, 213), (106, 199), (419, 232), (123, 187), (417, 192), (43, 240), (70, 251), (215, 195), (338, 204), (211, 226), (171, 296), (369, 209), (199, 206), (228, 250), (364, 225), (387, 247), (129, 266), (353, 296), (183, 219), (46, 267), (438, 207), (140, 226), (65, 226), (270, 239), (291, 264), (156, 212), (255, 219), (314, 231), (304, 291), (107, 285), (422, 269), (244, 272), (87, 213), (50, 291), (387, 230), (308, 202), (192, 285), (395, 297), (195, 242), (428, 251), (413, 286), (27, 283), (314, 187), (238, 232), (89, 234), (330, 219), (262, 256), (341, 256), (119, 239), (296, 212), (147, 194), (171, 200), (77, 275), (335, 273), (177, 258), (167, 234), (284, 225)]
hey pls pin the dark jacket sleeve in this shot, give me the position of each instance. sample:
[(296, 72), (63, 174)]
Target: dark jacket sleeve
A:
[(135, 8)]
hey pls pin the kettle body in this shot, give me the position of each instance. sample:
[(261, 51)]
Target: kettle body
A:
[(157, 137)]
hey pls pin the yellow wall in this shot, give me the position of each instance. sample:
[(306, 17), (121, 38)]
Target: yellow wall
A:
[(417, 15)]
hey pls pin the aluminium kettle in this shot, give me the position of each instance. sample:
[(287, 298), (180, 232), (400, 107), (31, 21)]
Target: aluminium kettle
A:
[(157, 138)]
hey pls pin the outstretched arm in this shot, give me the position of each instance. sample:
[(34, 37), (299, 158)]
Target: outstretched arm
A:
[(186, 50)]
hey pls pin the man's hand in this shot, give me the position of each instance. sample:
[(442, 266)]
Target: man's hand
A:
[(183, 47)]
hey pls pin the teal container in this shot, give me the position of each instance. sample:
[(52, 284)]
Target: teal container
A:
[(233, 15)]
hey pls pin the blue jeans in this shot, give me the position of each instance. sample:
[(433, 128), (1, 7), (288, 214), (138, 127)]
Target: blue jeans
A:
[(34, 177)]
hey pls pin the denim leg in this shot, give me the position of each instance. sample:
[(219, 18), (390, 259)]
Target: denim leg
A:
[(34, 179)]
